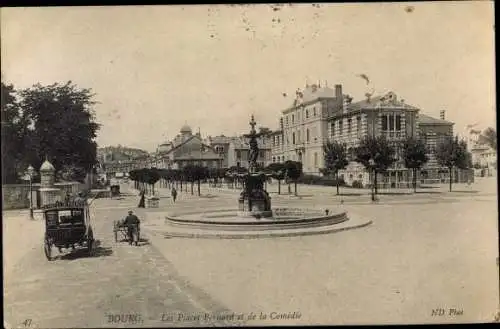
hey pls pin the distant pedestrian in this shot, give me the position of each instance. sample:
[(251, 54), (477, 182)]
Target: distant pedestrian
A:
[(142, 200), (174, 194)]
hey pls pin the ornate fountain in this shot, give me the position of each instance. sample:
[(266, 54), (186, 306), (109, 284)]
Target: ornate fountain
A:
[(254, 203), (254, 200)]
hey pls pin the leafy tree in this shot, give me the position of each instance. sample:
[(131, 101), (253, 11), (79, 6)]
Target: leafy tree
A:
[(335, 155), (452, 153), (277, 171), (13, 127), (489, 137), (152, 177), (414, 156), (61, 125), (293, 171), (376, 155), (189, 174)]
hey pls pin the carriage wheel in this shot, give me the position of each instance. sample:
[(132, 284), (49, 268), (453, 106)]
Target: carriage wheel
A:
[(47, 248)]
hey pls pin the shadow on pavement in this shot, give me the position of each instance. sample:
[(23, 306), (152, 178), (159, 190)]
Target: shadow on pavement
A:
[(98, 251), (429, 192), (141, 242), (464, 191)]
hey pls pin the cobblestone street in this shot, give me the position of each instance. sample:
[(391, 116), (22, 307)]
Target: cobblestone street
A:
[(411, 261), (75, 290)]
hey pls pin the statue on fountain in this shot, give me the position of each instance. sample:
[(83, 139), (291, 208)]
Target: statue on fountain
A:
[(254, 200)]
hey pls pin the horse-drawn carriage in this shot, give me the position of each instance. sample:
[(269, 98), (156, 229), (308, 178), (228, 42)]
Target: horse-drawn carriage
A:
[(66, 226)]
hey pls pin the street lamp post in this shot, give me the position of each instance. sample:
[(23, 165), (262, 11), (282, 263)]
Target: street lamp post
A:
[(372, 167), (30, 172)]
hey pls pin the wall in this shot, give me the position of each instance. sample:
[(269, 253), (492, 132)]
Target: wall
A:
[(16, 196)]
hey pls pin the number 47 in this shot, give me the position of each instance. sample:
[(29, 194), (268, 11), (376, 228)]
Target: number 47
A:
[(27, 323)]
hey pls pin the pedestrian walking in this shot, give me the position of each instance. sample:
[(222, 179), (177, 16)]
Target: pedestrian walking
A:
[(142, 200), (174, 194)]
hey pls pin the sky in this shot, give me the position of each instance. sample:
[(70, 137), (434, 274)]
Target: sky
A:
[(155, 68)]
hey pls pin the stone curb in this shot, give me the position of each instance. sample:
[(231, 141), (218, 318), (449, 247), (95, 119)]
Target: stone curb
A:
[(248, 235)]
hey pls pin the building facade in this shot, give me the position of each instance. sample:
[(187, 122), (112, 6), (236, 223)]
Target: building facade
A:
[(186, 149), (323, 114), (234, 151), (304, 127), (378, 116), (484, 157)]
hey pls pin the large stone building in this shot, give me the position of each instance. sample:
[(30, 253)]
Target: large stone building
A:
[(304, 126), (322, 114), (186, 149), (375, 116)]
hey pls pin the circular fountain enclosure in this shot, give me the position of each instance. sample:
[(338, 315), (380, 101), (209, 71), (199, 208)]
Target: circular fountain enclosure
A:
[(282, 218)]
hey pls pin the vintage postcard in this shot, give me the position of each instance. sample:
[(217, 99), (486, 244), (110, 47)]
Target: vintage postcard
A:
[(249, 165)]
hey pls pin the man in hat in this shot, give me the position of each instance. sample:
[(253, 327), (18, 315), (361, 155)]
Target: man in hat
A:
[(132, 223)]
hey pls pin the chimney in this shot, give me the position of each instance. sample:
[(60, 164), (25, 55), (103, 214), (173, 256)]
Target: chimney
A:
[(338, 91), (441, 114)]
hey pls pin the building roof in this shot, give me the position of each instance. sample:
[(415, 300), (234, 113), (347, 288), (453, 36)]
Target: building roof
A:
[(383, 101), (47, 166), (314, 92), (427, 120), (186, 129), (311, 93), (221, 139)]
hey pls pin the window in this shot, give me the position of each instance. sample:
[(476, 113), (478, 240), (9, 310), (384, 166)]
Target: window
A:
[(332, 127), (349, 124), (314, 111), (238, 154), (293, 118), (293, 138), (384, 122), (274, 159), (341, 126), (298, 136), (391, 122), (287, 120), (358, 123), (315, 160), (307, 114), (398, 122), (307, 135)]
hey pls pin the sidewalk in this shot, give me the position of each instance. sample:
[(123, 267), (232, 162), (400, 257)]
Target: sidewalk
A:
[(20, 236)]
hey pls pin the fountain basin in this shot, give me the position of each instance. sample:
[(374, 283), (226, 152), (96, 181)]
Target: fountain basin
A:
[(232, 220)]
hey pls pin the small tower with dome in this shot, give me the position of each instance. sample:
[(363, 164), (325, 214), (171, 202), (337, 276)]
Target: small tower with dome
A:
[(48, 192), (47, 174), (186, 132)]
